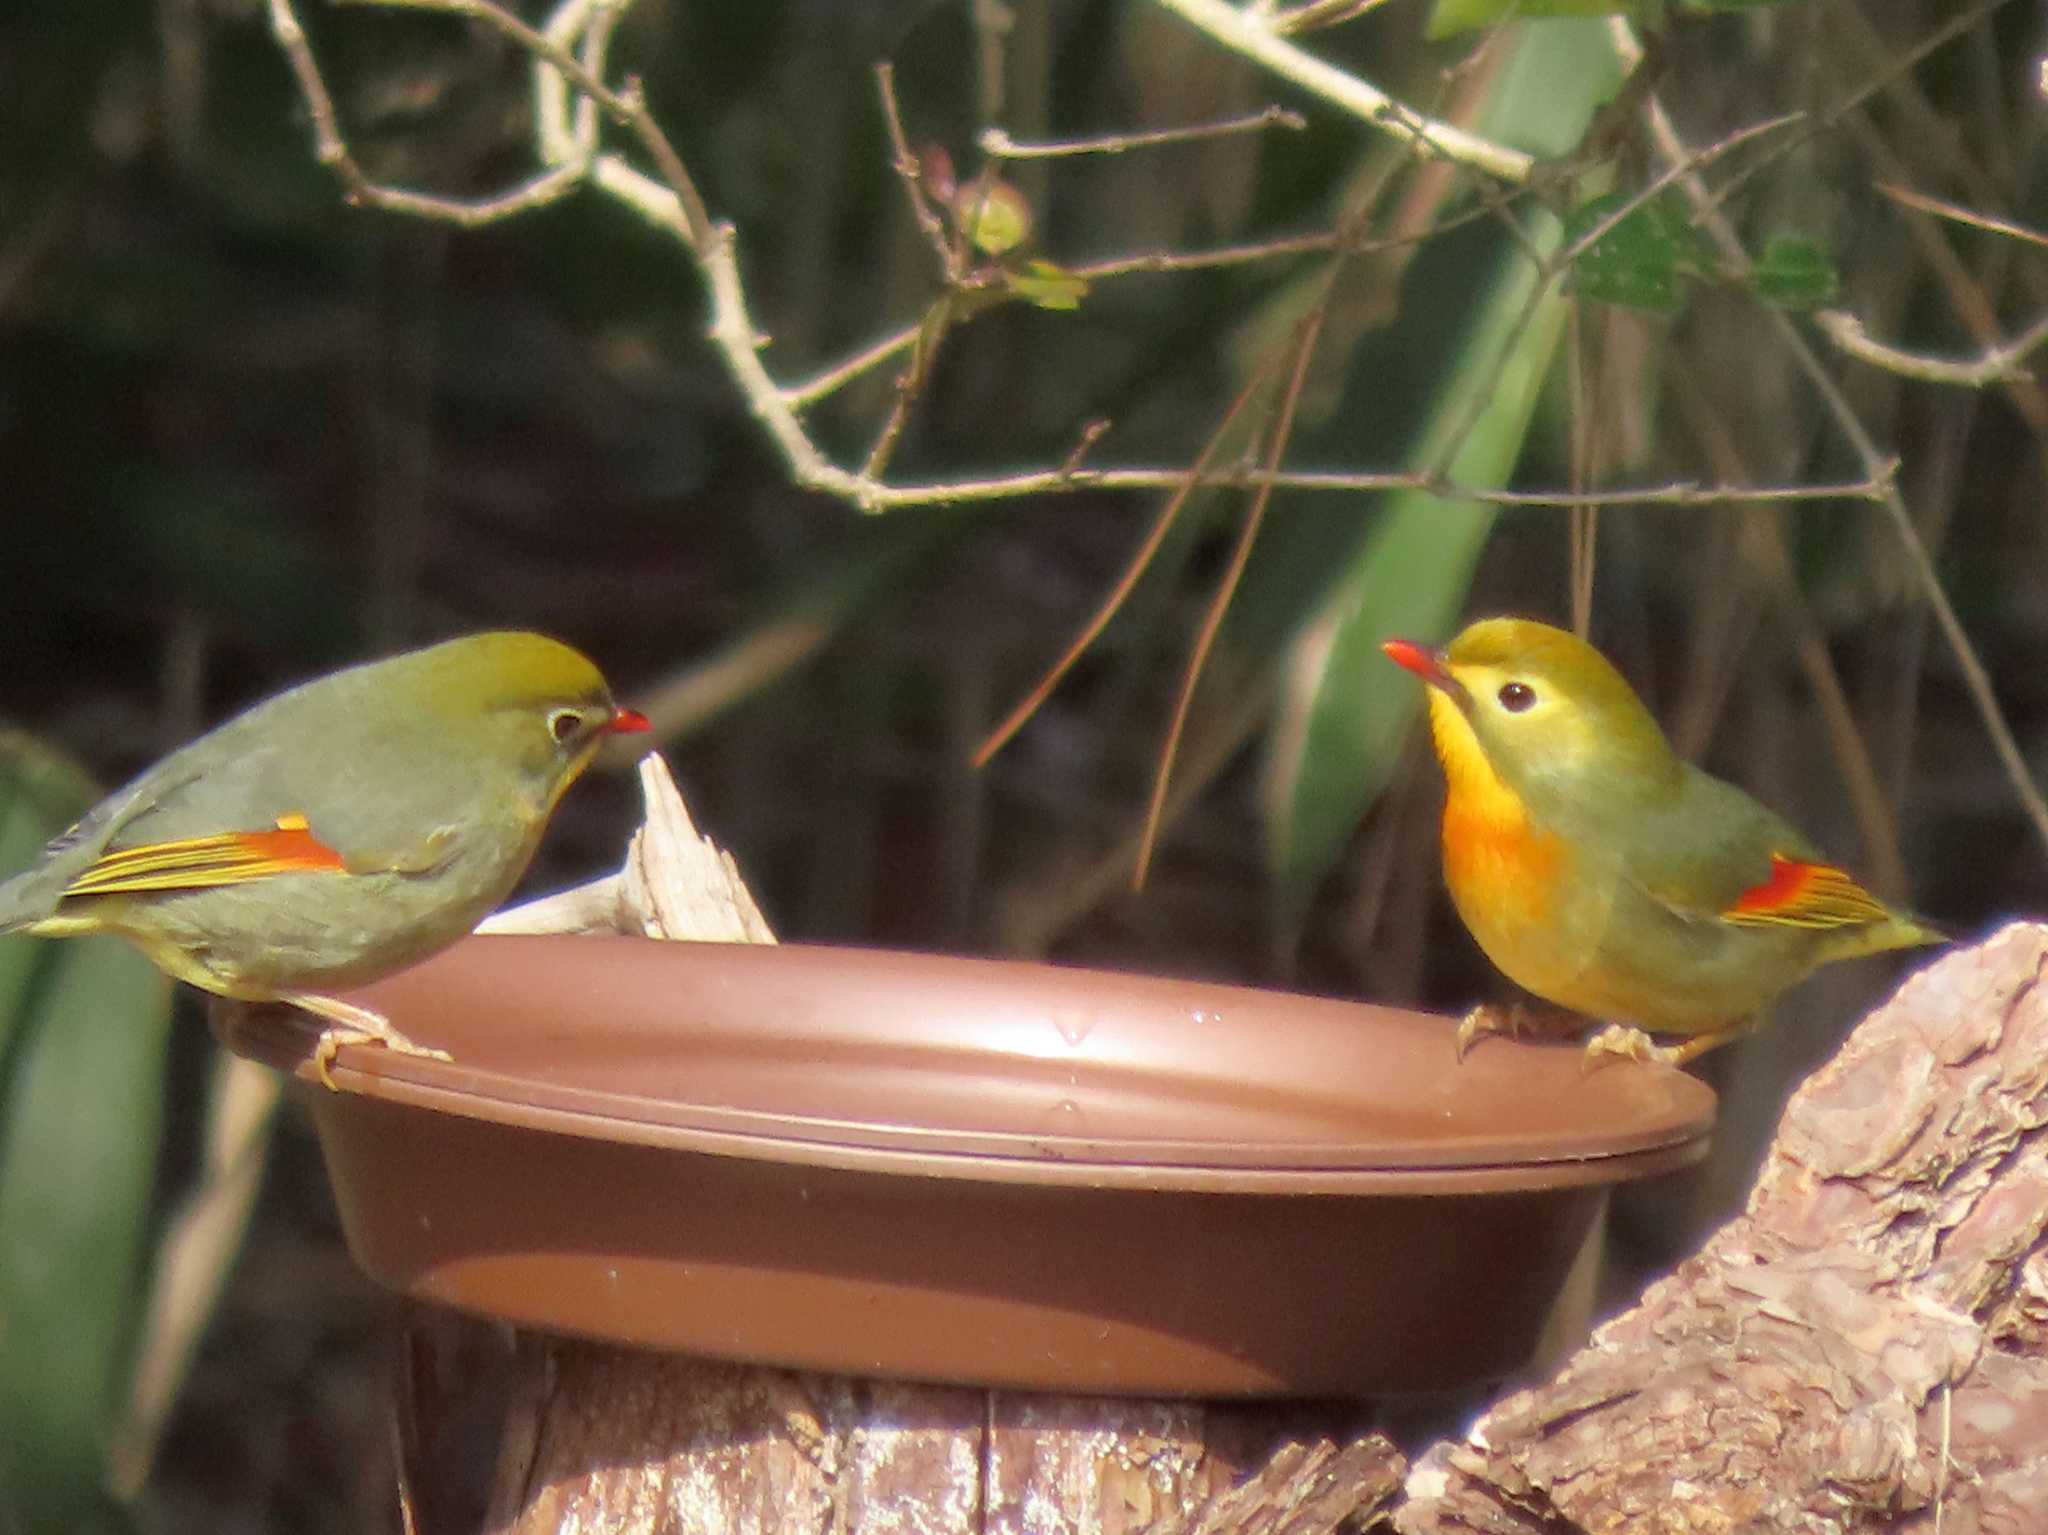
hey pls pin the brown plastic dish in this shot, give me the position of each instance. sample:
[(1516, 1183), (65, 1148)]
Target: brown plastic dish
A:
[(967, 1170)]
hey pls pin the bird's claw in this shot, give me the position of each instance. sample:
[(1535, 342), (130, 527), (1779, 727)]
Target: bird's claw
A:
[(336, 1035), (348, 1024), (1515, 1020), (1486, 1018), (1621, 1042)]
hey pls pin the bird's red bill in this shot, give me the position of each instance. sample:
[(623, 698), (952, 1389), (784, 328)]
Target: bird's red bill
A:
[(1419, 659), (625, 722), (1801, 893), (196, 863)]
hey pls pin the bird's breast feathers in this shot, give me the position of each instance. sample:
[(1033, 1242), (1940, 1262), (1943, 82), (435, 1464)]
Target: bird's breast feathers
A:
[(1496, 860)]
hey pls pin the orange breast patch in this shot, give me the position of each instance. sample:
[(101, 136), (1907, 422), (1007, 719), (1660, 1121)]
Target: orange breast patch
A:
[(1499, 865)]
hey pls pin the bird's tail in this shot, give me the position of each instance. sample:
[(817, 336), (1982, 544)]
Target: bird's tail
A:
[(1899, 930), (25, 900)]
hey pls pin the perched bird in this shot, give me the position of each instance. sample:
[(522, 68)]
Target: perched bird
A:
[(1604, 873), (335, 833)]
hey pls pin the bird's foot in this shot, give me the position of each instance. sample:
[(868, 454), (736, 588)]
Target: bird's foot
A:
[(1620, 1041), (1515, 1020), (348, 1024), (1487, 1018)]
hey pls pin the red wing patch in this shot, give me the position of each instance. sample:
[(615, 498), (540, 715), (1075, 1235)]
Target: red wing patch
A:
[(195, 863), (1804, 894)]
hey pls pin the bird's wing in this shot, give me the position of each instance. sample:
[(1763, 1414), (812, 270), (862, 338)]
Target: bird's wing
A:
[(288, 846), (1717, 855), (240, 812), (1804, 892)]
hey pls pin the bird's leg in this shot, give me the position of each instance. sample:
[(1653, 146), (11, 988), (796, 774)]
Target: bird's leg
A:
[(1700, 1044), (1514, 1020), (1630, 1044), (348, 1024)]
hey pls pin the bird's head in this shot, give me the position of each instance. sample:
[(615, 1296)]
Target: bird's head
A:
[(1536, 709), (524, 700)]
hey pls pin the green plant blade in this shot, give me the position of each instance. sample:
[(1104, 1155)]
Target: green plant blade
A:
[(85, 1025), (1344, 709)]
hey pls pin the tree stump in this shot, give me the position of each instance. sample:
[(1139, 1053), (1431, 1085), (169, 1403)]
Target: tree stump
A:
[(610, 1441), (646, 1444)]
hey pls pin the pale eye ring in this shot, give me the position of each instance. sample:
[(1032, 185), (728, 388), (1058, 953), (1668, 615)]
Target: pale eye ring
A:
[(1516, 696), (563, 725)]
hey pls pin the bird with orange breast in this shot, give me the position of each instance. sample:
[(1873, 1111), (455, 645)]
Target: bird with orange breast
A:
[(1604, 873)]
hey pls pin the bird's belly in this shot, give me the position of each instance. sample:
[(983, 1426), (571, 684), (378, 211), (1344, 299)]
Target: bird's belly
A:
[(1525, 900)]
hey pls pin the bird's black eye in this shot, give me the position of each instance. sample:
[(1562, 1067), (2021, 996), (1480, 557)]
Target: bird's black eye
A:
[(1516, 696), (563, 725)]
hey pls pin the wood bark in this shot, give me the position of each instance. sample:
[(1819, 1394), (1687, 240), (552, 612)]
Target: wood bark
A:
[(636, 1443), (1864, 1348)]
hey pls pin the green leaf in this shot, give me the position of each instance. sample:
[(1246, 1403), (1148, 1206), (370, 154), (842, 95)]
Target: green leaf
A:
[(1793, 273), (1048, 286), (85, 1025), (1645, 261)]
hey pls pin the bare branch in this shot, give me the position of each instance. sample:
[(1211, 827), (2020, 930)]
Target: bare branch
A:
[(998, 145), (1992, 366), (839, 375), (565, 58), (1196, 261), (1252, 37), (1957, 213)]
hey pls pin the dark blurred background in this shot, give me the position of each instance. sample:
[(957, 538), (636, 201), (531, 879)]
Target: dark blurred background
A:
[(250, 433)]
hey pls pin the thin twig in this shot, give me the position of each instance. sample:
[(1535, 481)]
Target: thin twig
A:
[(1342, 481), (1196, 261), (998, 145), (908, 170), (1281, 434), (931, 334), (1185, 486), (1092, 432), (1958, 214), (1992, 366), (1583, 540), (839, 375), (1320, 242)]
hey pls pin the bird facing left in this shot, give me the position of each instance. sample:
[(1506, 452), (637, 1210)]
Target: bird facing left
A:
[(336, 833)]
